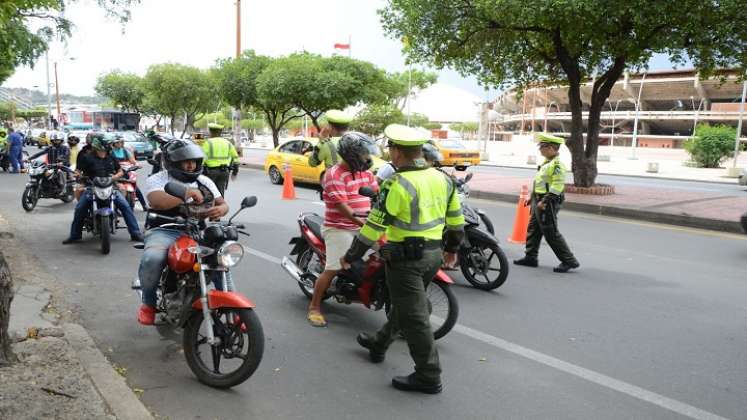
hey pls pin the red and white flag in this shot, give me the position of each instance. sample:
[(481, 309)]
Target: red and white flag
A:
[(342, 46)]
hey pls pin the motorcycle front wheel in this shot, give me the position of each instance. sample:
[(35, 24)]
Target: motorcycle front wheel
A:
[(29, 199), (237, 356), (105, 231), (484, 265)]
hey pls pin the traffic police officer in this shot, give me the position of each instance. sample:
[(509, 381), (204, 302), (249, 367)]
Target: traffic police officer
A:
[(412, 209), (220, 157), (547, 197), (326, 150)]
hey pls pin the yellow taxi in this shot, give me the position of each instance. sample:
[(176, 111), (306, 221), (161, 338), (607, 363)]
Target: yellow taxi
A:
[(456, 154), (296, 154)]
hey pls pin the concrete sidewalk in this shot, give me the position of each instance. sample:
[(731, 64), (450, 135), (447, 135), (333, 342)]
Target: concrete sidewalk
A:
[(702, 210)]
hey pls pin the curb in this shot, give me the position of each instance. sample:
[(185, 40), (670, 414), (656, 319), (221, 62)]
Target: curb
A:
[(732, 181), (113, 389), (629, 213)]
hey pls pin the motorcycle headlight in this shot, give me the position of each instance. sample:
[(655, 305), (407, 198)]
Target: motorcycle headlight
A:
[(36, 171), (48, 173), (230, 254), (103, 193)]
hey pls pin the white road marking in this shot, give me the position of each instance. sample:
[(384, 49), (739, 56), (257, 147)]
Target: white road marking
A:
[(575, 370)]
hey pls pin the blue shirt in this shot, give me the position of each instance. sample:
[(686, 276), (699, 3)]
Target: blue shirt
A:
[(15, 140)]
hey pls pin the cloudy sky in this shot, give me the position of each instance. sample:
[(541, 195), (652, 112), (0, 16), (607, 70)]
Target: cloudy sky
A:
[(197, 32)]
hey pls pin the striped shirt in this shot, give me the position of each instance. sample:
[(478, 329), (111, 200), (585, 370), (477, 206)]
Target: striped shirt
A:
[(341, 186)]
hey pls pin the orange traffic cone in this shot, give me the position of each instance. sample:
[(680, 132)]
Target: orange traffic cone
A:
[(521, 222), (289, 193)]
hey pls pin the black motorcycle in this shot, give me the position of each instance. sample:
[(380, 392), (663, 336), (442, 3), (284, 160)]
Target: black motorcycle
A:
[(101, 218), (481, 258), (44, 182)]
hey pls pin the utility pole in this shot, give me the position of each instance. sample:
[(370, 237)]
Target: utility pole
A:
[(238, 28), (57, 91), (49, 97)]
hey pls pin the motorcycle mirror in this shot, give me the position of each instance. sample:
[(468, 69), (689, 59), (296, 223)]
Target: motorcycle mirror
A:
[(468, 177), (367, 192), (248, 202), (176, 189)]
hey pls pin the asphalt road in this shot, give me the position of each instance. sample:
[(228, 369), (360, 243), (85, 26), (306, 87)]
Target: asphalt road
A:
[(725, 188), (651, 327)]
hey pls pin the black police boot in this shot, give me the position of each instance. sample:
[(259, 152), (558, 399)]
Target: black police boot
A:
[(411, 383), (564, 267), (527, 262), (366, 341)]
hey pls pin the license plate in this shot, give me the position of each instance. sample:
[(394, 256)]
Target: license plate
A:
[(466, 163)]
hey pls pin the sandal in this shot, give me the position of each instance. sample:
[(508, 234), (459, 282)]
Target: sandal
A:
[(316, 319)]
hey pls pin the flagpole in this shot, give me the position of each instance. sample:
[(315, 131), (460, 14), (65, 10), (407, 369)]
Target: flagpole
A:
[(350, 46)]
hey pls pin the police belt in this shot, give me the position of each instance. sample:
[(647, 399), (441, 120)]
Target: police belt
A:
[(411, 249), (428, 244), (221, 168)]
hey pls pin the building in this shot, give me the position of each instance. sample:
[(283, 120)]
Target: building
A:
[(672, 103)]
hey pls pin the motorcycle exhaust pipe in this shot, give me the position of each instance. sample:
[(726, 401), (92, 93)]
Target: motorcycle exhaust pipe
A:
[(137, 287), (296, 274)]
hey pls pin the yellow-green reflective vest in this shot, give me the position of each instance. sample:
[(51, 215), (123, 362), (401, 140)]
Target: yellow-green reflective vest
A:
[(327, 153), (414, 203), (550, 177), (219, 152)]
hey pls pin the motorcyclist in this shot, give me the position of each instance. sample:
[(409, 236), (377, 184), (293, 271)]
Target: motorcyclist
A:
[(99, 163), (56, 152), (121, 154), (345, 208), (430, 154), (72, 144), (182, 163)]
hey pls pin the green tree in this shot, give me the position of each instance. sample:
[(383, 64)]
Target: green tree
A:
[(711, 145), (432, 126), (26, 26), (373, 119), (526, 42), (125, 90), (176, 90)]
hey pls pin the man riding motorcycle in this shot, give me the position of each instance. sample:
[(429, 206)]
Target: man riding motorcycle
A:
[(182, 163), (99, 163), (57, 152), (72, 144), (121, 154)]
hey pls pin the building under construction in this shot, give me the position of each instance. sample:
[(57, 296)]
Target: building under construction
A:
[(671, 104)]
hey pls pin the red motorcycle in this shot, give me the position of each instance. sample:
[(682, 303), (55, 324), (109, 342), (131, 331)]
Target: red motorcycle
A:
[(128, 183), (365, 281), (222, 339)]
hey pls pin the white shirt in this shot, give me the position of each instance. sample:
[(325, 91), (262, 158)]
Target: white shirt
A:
[(158, 181), (385, 172)]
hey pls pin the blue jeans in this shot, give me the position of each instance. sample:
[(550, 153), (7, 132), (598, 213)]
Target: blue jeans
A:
[(84, 207), (15, 154), (155, 254)]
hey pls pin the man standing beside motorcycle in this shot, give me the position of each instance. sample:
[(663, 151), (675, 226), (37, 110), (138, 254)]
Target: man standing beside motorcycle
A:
[(220, 157), (413, 209), (343, 204), (57, 152), (182, 163), (99, 163), (15, 151)]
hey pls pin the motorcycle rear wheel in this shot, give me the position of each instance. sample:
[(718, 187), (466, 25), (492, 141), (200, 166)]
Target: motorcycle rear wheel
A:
[(491, 259), (105, 226), (29, 199), (304, 259), (233, 337)]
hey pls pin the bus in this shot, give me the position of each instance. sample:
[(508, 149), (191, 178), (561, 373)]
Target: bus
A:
[(116, 121)]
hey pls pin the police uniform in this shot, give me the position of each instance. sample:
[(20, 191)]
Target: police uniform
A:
[(220, 159), (549, 183), (326, 151), (413, 208)]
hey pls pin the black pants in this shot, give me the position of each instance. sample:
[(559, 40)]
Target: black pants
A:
[(545, 223), (219, 177)]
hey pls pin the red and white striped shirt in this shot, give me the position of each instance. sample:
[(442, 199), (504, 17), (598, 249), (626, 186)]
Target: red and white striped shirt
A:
[(341, 186)]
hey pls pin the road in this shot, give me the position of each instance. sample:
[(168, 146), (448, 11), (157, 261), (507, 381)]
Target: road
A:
[(723, 189), (651, 327)]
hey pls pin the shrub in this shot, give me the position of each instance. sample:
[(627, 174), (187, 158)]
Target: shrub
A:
[(711, 145)]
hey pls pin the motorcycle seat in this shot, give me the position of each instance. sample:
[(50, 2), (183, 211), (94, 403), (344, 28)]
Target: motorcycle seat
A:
[(314, 222)]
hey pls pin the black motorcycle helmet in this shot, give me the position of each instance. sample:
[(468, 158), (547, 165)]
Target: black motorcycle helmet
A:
[(356, 150), (177, 151)]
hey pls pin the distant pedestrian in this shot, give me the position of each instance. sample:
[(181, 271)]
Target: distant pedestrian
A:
[(547, 197), (15, 151)]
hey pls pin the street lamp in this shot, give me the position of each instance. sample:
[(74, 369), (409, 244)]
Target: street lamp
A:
[(614, 113), (635, 123)]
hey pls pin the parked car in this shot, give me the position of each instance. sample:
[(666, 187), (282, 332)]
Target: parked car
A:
[(33, 135), (457, 154), (137, 143), (296, 154)]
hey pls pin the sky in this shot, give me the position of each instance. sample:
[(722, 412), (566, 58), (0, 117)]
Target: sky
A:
[(197, 32)]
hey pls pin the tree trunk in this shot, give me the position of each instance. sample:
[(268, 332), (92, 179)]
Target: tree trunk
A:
[(275, 136), (580, 165), (6, 297)]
